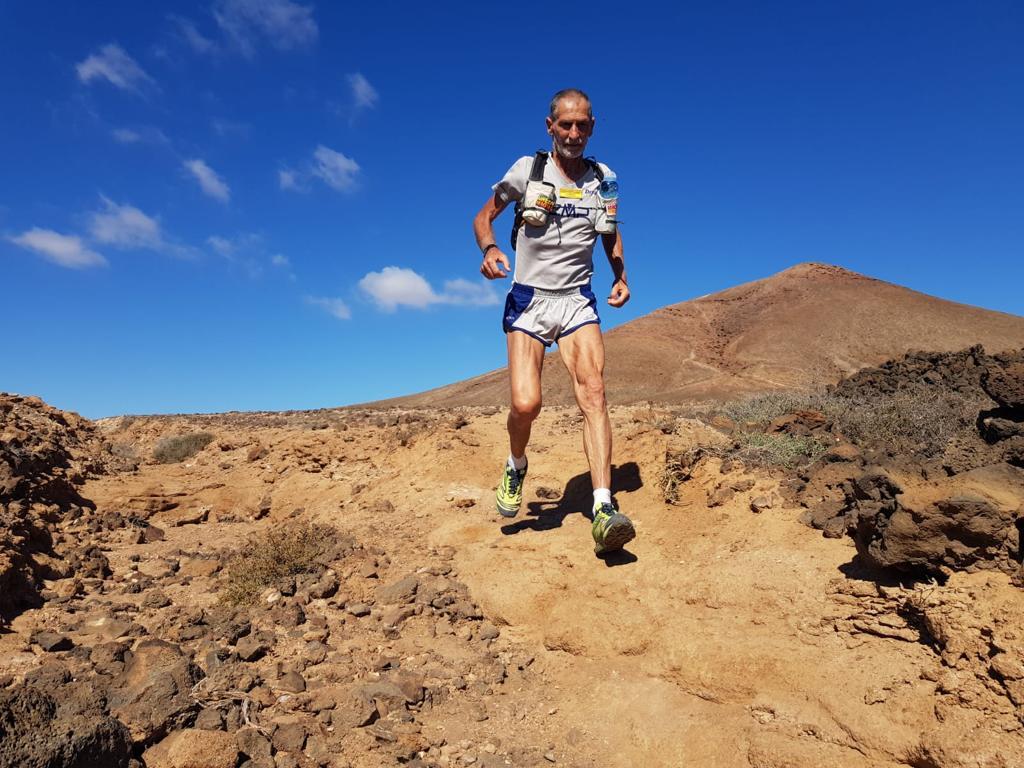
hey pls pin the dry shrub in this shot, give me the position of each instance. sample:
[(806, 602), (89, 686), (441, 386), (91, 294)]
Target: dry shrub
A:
[(916, 419), (273, 556), (170, 450), (761, 409), (779, 449), (679, 467), (908, 420)]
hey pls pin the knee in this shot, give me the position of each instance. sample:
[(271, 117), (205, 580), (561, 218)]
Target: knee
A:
[(590, 393), (525, 407)]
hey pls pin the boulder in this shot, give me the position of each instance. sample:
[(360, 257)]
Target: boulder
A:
[(35, 734), (152, 696), (1005, 384), (193, 748)]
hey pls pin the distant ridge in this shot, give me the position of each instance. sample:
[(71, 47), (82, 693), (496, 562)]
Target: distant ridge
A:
[(807, 325)]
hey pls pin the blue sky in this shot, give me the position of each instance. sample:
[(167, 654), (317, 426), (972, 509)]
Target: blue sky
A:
[(266, 204)]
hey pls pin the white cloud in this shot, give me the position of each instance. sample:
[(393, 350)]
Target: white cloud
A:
[(280, 260), (65, 250), (224, 128), (283, 24), (335, 307), (124, 226), (461, 291), (221, 245), (336, 170), (212, 184), (193, 37), (363, 94), (395, 287), (115, 66), (288, 179)]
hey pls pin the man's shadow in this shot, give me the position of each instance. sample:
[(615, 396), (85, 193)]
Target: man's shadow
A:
[(578, 498)]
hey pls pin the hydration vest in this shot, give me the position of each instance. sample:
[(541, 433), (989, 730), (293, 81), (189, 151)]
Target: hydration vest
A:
[(540, 159)]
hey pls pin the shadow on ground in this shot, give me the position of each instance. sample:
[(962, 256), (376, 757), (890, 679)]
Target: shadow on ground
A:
[(577, 498)]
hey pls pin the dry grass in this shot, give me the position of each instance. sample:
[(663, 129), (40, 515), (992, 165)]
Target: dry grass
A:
[(171, 450), (273, 556)]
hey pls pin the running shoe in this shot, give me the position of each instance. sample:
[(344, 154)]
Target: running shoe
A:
[(510, 492), (612, 530)]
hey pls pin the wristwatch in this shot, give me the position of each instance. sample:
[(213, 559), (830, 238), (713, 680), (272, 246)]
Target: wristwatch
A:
[(488, 247)]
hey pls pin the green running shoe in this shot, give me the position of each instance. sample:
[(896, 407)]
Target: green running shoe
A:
[(510, 492), (612, 530)]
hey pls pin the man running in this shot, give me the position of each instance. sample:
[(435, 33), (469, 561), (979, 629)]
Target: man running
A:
[(550, 300)]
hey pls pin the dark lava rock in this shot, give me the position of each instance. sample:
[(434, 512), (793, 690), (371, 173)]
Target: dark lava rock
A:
[(1005, 384), (289, 737), (964, 532), (34, 734), (52, 641), (152, 695)]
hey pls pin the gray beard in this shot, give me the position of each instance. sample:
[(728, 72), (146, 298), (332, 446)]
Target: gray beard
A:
[(569, 153)]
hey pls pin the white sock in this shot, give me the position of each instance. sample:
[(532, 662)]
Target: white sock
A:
[(602, 496), (515, 463)]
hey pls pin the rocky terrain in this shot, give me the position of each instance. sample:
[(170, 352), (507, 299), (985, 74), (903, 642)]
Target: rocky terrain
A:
[(334, 588)]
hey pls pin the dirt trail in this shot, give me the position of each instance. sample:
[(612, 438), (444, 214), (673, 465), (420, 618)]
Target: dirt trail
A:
[(708, 643)]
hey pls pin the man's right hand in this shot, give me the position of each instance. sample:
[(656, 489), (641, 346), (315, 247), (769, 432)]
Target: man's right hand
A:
[(491, 268)]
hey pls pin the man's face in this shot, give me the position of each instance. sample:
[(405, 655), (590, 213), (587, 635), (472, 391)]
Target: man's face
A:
[(572, 127)]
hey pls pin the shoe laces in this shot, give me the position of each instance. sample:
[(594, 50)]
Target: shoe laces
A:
[(515, 478), (605, 509)]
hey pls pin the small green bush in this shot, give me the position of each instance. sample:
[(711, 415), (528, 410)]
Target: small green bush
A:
[(180, 447), (272, 556)]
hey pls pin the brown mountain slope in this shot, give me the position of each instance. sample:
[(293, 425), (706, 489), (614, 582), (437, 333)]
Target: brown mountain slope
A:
[(807, 325)]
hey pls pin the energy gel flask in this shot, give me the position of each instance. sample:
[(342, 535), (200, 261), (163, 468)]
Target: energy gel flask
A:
[(607, 214)]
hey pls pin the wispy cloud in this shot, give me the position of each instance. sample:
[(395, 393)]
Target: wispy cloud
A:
[(395, 287), (223, 128), (211, 183), (335, 307), (289, 179), (334, 169), (364, 95), (141, 135), (283, 24), (125, 226), (112, 64), (65, 250), (195, 39)]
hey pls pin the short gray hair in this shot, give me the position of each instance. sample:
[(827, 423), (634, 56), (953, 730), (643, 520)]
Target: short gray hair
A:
[(565, 93)]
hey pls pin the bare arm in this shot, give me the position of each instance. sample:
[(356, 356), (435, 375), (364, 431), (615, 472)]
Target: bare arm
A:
[(613, 250), (483, 229)]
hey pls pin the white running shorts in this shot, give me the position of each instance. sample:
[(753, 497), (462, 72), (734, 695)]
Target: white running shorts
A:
[(549, 315)]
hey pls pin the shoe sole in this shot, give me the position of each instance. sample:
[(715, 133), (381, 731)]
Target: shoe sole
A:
[(618, 535), (504, 511)]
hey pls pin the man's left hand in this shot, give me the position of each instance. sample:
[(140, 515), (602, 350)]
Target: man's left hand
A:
[(619, 294)]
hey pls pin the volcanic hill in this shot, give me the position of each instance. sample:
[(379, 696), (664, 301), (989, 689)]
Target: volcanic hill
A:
[(808, 325)]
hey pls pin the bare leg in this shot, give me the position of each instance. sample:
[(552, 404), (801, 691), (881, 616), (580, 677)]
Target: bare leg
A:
[(525, 361), (583, 354)]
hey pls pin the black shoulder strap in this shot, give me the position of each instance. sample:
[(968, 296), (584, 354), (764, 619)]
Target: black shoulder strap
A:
[(596, 168), (540, 159)]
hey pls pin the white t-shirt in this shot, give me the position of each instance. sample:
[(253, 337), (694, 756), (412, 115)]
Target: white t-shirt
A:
[(561, 254)]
